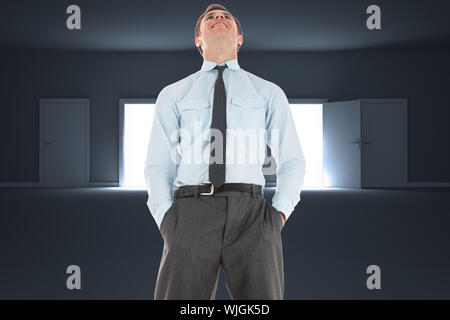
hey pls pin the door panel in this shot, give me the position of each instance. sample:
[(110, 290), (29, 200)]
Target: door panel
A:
[(341, 144), (64, 135), (384, 144)]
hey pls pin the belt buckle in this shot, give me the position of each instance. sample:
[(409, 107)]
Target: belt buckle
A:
[(210, 192)]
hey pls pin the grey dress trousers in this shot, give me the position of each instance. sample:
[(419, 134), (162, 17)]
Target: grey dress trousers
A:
[(235, 230)]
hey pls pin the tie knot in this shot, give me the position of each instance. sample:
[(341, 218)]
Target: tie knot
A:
[(220, 68)]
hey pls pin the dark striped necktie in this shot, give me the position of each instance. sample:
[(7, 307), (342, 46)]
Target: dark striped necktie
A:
[(219, 122)]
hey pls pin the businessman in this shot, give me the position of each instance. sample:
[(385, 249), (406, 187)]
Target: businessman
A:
[(203, 173)]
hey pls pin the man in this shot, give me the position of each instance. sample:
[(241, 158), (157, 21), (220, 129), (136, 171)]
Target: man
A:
[(218, 216)]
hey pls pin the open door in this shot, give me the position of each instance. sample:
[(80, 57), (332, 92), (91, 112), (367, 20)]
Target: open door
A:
[(342, 144)]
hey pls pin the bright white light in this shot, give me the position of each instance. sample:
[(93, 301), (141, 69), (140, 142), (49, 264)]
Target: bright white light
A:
[(326, 180), (308, 122), (138, 119)]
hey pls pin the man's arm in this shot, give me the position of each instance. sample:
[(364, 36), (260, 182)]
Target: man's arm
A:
[(285, 145), (160, 164)]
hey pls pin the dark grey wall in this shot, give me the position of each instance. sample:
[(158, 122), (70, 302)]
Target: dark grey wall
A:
[(105, 77)]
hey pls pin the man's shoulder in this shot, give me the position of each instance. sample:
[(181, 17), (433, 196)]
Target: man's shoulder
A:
[(186, 79), (260, 82), (180, 84)]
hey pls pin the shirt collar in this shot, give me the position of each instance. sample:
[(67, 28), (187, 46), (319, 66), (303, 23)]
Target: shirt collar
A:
[(209, 65)]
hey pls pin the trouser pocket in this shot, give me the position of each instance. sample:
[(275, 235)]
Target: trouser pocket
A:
[(275, 214), (167, 216)]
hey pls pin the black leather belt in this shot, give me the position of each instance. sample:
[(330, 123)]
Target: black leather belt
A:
[(207, 189)]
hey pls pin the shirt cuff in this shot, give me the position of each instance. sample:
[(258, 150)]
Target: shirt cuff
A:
[(161, 212), (282, 203)]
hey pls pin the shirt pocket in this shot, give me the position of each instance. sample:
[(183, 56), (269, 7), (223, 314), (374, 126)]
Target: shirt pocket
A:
[(195, 115), (250, 112)]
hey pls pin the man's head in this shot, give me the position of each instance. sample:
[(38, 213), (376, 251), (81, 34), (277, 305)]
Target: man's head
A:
[(217, 26)]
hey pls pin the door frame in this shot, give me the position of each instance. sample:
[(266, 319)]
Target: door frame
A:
[(42, 102)]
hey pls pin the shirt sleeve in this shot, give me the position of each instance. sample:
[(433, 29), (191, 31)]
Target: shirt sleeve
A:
[(286, 149), (161, 161)]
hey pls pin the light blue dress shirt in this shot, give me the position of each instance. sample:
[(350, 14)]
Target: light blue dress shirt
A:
[(178, 148)]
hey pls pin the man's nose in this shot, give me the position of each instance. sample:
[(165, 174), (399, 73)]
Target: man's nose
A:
[(219, 16)]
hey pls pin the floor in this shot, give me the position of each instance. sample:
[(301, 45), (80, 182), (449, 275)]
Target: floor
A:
[(328, 243)]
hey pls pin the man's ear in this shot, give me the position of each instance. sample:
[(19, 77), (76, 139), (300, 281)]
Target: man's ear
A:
[(198, 42), (240, 40)]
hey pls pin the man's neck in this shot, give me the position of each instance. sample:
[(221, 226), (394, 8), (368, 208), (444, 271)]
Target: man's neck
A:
[(219, 56)]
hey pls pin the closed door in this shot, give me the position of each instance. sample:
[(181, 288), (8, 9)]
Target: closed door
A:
[(64, 142), (342, 144), (384, 143)]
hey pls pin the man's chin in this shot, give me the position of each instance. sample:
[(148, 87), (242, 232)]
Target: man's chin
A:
[(221, 30), (223, 36)]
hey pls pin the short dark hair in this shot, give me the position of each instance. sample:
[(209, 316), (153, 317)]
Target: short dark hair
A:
[(212, 7)]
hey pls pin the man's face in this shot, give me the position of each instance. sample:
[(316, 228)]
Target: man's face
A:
[(218, 26)]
